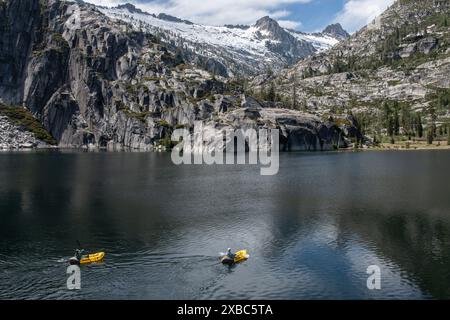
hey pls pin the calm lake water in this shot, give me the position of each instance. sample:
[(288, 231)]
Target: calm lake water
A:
[(311, 231)]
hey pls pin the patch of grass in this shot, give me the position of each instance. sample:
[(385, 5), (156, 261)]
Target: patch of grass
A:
[(182, 66), (392, 83), (40, 53), (210, 97), (163, 123), (42, 6), (141, 116), (25, 119)]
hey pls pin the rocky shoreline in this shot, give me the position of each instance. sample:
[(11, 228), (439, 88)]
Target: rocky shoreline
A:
[(14, 137)]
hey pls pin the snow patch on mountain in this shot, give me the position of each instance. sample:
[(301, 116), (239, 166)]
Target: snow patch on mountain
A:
[(251, 49), (320, 42)]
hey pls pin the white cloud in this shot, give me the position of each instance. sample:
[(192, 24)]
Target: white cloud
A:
[(358, 13), (215, 12), (289, 24)]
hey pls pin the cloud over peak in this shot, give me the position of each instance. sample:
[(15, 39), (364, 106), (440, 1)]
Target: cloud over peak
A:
[(358, 13)]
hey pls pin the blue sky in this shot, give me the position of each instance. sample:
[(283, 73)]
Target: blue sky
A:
[(313, 16), (304, 15)]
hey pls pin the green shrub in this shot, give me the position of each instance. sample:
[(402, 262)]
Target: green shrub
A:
[(60, 41), (163, 123), (130, 89), (25, 119), (141, 116)]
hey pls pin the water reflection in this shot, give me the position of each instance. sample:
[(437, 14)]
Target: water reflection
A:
[(311, 230)]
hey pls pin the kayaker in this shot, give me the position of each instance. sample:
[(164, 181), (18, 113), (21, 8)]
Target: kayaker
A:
[(79, 254), (230, 254)]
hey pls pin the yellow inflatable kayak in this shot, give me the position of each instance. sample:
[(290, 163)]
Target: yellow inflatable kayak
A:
[(90, 258), (239, 257)]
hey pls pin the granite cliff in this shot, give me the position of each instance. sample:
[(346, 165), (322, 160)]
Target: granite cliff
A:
[(93, 81)]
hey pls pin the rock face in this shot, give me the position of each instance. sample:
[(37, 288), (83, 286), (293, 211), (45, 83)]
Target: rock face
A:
[(18, 22), (93, 81), (298, 131), (167, 17), (336, 31)]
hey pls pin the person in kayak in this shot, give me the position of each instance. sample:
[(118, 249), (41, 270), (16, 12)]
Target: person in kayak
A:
[(230, 254), (79, 254)]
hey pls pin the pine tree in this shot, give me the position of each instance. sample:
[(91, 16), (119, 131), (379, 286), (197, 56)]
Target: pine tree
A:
[(419, 126), (430, 136), (433, 118), (396, 120), (407, 121), (387, 118), (178, 57), (294, 91), (396, 123), (271, 95), (262, 94)]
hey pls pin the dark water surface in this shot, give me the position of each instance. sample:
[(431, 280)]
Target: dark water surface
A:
[(311, 231)]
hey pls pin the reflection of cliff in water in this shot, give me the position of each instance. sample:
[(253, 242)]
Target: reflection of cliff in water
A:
[(418, 242)]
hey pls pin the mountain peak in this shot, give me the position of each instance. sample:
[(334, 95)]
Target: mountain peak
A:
[(336, 31), (271, 29), (267, 23), (167, 17), (131, 8)]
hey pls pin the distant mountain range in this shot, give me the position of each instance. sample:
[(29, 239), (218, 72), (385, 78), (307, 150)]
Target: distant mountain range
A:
[(230, 50)]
